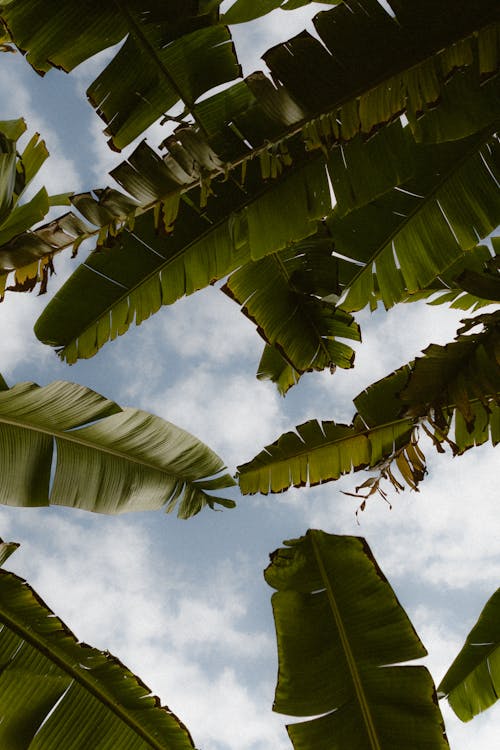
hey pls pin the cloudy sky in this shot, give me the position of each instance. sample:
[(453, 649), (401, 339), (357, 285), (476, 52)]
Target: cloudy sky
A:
[(184, 603)]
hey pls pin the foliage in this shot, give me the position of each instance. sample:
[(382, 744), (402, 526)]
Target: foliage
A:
[(397, 113), (341, 633), (17, 171), (48, 675), (108, 459), (472, 682)]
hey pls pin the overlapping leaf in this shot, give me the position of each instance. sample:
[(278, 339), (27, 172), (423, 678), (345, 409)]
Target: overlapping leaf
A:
[(171, 52), (457, 384), (472, 683), (106, 460), (16, 173), (341, 631), (417, 231), (394, 64), (472, 282), (144, 268), (275, 293), (58, 692)]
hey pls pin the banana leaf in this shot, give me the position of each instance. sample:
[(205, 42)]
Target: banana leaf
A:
[(144, 267), (171, 52), (17, 171), (472, 683), (57, 692), (341, 635), (106, 459), (453, 392)]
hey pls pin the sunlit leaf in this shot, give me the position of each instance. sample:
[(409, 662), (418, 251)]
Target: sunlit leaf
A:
[(106, 460)]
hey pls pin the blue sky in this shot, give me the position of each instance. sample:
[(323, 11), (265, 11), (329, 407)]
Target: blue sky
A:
[(184, 603)]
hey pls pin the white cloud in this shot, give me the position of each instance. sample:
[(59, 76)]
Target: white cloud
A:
[(232, 413)]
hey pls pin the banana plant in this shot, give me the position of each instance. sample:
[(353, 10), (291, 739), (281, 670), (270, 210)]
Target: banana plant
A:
[(472, 683), (49, 677), (342, 635), (107, 459), (452, 394), (17, 216)]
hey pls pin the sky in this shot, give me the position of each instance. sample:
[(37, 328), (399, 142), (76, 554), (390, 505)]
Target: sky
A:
[(184, 603)]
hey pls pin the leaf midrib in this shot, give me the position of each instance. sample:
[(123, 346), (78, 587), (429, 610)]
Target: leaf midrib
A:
[(297, 166), (427, 199), (72, 437), (51, 652), (305, 451), (346, 646)]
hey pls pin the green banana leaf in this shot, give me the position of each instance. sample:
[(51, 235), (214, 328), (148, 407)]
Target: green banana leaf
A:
[(341, 635), (143, 268), (275, 293), (57, 692), (472, 282), (472, 683), (412, 234), (107, 459), (16, 173), (273, 366), (452, 387), (171, 52)]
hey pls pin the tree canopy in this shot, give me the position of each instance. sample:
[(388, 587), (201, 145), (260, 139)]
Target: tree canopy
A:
[(361, 172)]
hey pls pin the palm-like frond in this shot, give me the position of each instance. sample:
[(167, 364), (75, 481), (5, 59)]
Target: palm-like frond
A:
[(58, 692), (457, 384), (108, 460), (275, 293), (472, 683), (144, 268), (16, 173), (341, 631), (172, 52)]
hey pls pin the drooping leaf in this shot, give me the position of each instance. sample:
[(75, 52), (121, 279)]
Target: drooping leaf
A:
[(172, 52), (144, 268), (274, 293), (107, 460), (454, 385), (341, 634), (472, 683), (56, 691)]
